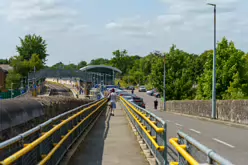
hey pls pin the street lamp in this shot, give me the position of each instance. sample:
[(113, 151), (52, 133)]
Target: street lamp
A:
[(164, 85), (214, 67)]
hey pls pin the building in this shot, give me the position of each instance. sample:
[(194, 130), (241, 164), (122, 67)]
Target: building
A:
[(4, 69)]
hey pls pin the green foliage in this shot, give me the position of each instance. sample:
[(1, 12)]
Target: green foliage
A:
[(60, 65), (81, 64), (32, 54), (99, 61), (14, 79), (30, 45), (4, 61), (188, 76), (232, 78)]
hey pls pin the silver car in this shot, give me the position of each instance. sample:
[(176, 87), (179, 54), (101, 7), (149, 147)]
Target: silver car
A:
[(142, 89)]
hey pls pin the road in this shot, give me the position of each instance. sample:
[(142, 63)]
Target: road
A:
[(228, 141)]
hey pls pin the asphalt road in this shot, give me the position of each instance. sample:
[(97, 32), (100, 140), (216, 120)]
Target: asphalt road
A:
[(228, 141)]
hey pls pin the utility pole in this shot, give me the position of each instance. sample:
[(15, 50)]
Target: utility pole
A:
[(214, 67), (164, 84)]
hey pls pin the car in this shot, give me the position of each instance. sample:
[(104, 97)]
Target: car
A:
[(151, 92), (123, 93), (142, 89), (136, 100), (130, 88), (157, 95)]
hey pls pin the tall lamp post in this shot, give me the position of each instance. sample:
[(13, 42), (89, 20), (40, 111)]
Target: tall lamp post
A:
[(214, 67), (164, 85)]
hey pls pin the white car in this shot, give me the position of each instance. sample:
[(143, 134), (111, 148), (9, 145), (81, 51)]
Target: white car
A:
[(142, 89)]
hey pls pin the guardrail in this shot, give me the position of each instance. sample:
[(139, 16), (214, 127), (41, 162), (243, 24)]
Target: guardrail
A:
[(53, 144), (16, 143), (151, 128), (192, 152)]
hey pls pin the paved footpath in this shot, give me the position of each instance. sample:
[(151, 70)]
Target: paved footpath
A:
[(110, 142), (228, 141)]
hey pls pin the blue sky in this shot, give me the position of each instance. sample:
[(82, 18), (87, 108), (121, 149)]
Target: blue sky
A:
[(86, 29)]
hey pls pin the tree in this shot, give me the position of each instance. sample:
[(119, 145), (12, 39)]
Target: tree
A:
[(30, 45), (232, 78), (179, 74), (58, 65), (99, 61), (81, 64), (4, 61), (13, 78), (21, 68)]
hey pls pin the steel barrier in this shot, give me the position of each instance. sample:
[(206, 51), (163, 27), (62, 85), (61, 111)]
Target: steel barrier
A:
[(49, 141), (151, 128), (14, 144), (192, 152)]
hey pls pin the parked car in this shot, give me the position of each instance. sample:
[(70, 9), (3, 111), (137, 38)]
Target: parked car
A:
[(136, 100), (151, 92), (157, 95), (130, 88), (123, 93), (142, 89)]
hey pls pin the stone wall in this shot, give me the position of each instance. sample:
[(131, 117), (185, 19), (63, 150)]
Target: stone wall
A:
[(227, 110)]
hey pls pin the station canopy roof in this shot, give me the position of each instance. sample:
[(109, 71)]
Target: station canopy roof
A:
[(100, 69)]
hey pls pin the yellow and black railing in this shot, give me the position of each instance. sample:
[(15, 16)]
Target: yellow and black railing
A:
[(52, 145), (191, 152), (151, 129)]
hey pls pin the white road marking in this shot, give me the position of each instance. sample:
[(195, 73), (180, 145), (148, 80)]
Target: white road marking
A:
[(229, 145), (195, 131), (179, 125), (168, 121)]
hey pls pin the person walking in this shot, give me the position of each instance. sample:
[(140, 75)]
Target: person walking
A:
[(132, 90), (113, 99), (156, 104)]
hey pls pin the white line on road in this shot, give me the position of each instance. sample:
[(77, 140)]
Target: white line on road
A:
[(195, 131), (168, 121), (179, 125), (229, 145)]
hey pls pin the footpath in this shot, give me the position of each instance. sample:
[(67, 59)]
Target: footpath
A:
[(74, 91), (110, 142)]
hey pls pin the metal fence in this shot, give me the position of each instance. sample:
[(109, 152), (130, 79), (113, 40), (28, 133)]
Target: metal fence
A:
[(63, 73), (48, 142), (192, 152), (151, 128), (7, 95)]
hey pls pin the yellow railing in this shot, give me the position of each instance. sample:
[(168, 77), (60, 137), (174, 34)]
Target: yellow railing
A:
[(147, 132), (151, 123), (182, 150), (47, 157), (29, 147)]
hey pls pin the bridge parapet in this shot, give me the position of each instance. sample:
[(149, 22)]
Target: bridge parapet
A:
[(150, 128), (152, 131), (11, 147)]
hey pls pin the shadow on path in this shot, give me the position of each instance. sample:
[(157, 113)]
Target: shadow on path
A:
[(90, 152)]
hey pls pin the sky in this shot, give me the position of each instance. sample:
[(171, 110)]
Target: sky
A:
[(78, 30)]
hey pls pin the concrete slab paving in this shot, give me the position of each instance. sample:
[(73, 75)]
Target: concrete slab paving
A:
[(110, 142)]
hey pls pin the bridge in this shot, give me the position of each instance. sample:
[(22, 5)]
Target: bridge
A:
[(89, 135)]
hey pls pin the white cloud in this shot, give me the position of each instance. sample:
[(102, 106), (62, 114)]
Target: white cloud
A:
[(133, 27), (42, 15)]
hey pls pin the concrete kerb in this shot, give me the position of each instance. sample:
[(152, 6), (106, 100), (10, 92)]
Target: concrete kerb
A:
[(75, 146), (228, 123), (145, 150)]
